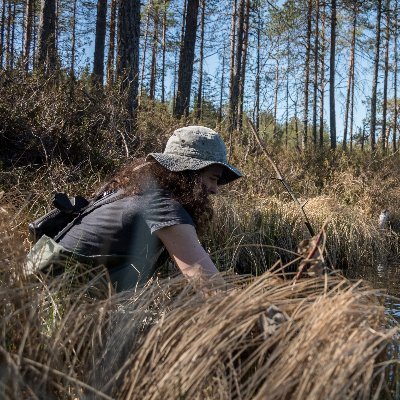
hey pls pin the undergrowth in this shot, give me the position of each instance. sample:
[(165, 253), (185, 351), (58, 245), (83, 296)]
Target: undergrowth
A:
[(72, 337), (75, 338), (62, 137)]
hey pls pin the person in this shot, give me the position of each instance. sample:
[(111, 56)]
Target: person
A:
[(160, 202)]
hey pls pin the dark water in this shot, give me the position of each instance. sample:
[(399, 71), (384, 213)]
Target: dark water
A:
[(388, 278), (385, 276)]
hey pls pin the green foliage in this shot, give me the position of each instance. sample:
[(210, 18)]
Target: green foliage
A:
[(209, 113)]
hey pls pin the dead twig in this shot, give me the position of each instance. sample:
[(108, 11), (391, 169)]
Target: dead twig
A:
[(280, 178)]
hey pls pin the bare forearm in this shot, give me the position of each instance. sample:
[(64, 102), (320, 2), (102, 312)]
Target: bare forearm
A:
[(194, 262), (204, 276)]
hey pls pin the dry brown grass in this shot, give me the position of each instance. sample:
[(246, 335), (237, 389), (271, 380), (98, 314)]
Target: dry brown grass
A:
[(328, 340), (72, 337), (361, 180), (250, 236), (327, 345)]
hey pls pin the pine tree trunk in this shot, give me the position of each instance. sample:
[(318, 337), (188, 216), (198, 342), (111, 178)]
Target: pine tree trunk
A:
[(395, 112), (46, 53), (375, 75), (23, 33), (332, 107), (232, 70), (257, 83), (350, 77), (362, 134), (385, 80), (100, 40), (12, 47), (27, 33), (128, 50), (2, 32), (175, 77), (185, 70), (307, 75), (111, 48), (296, 124), (275, 133), (352, 106), (322, 80), (146, 34), (221, 94), (182, 38), (387, 135), (8, 40), (182, 28), (73, 41), (153, 68), (34, 38), (315, 86), (234, 100), (243, 67), (287, 91), (57, 30), (201, 57), (164, 50)]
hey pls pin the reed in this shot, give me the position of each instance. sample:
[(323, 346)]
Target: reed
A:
[(73, 337)]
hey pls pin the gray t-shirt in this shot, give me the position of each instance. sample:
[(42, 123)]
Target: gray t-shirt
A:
[(125, 227)]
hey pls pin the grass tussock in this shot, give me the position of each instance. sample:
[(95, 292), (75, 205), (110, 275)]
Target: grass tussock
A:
[(72, 337), (266, 338), (266, 230)]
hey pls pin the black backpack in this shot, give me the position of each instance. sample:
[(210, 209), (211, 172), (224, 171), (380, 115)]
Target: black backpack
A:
[(67, 211)]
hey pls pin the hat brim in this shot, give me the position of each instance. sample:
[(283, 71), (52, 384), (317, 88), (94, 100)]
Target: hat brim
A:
[(178, 163)]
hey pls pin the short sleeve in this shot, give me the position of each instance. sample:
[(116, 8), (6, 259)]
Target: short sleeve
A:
[(161, 210)]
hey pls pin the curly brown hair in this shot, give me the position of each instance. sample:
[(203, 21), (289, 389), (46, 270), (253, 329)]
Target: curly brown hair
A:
[(186, 187)]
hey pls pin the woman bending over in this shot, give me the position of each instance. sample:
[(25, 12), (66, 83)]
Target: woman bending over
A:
[(156, 203)]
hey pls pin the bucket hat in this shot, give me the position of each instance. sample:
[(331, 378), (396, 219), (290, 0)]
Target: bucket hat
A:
[(194, 148)]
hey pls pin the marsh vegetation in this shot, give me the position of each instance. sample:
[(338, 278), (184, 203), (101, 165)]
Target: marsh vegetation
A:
[(65, 126), (328, 336)]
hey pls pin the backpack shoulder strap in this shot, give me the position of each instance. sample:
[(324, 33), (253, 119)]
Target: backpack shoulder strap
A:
[(98, 202), (106, 199)]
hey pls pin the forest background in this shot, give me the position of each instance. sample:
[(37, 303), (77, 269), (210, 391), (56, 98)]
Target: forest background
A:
[(287, 65)]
